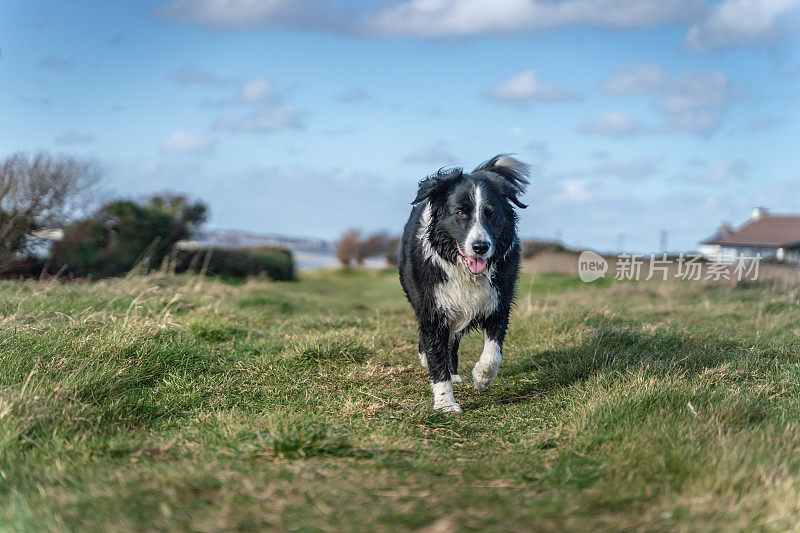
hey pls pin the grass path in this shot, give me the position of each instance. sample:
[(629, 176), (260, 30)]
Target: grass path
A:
[(186, 404)]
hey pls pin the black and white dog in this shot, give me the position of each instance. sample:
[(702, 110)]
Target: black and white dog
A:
[(459, 260)]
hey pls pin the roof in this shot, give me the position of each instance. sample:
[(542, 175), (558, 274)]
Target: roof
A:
[(722, 233), (778, 231)]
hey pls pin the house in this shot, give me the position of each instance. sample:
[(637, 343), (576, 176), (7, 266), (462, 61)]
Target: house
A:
[(772, 236)]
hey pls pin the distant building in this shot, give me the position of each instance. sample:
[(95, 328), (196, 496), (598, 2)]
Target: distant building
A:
[(771, 236)]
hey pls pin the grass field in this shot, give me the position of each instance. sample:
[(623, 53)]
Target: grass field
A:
[(188, 404)]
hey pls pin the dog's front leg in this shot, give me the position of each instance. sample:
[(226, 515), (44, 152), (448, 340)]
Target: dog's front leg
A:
[(494, 331), (421, 352), (455, 340), (436, 337)]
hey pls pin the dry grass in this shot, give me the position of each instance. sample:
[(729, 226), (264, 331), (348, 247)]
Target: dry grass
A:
[(783, 276), (180, 403)]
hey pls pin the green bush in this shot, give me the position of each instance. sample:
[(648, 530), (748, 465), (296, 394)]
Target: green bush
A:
[(124, 234), (531, 248), (275, 263)]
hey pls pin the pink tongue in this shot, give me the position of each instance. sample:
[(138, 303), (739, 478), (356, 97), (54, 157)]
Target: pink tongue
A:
[(476, 265)]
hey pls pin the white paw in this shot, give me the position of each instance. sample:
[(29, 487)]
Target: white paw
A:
[(449, 408), (443, 399), (423, 360), (482, 377), (455, 378)]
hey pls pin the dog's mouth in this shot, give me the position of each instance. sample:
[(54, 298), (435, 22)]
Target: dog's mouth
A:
[(476, 265)]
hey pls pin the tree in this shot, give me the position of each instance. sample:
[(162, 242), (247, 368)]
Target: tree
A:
[(352, 249), (392, 250), (123, 233), (40, 192), (374, 245), (347, 250)]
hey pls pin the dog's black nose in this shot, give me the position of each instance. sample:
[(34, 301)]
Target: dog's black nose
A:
[(480, 247)]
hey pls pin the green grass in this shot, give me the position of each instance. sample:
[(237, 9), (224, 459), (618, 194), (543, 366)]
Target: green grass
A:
[(189, 404)]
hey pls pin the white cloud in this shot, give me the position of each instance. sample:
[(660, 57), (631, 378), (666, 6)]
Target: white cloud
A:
[(764, 123), (612, 124), (736, 170), (56, 62), (74, 137), (34, 100), (255, 91), (637, 167), (189, 75), (700, 122), (540, 151), (430, 18), (576, 190), (696, 101), (144, 176), (436, 153), (441, 18), (634, 168), (737, 22), (526, 86), (354, 95), (638, 78), (694, 90), (699, 171), (187, 143), (264, 121), (239, 14)]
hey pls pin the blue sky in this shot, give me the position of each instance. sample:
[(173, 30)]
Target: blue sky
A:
[(308, 117)]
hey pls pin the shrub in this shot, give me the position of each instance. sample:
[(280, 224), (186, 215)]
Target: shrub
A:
[(275, 263), (531, 248), (124, 234)]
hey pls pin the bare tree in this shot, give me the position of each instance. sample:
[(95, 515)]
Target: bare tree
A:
[(347, 250), (40, 192), (375, 244), (392, 250)]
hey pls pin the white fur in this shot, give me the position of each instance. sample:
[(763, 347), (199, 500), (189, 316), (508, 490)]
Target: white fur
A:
[(464, 296), (477, 232), (511, 248), (423, 359), (423, 233), (486, 368), (510, 162), (455, 378), (443, 397)]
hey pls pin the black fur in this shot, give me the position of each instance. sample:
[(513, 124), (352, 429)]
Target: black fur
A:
[(450, 195)]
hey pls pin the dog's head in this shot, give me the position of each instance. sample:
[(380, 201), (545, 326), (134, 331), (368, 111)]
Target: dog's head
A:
[(473, 216)]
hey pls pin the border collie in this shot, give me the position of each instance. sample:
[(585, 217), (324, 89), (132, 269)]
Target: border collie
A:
[(459, 260)]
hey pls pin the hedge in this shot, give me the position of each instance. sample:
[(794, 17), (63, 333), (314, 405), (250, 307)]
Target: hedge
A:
[(275, 263)]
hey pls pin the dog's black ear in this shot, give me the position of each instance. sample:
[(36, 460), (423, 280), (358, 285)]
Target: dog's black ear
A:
[(513, 173), (437, 183)]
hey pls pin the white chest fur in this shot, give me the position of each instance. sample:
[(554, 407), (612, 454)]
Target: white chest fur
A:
[(465, 297)]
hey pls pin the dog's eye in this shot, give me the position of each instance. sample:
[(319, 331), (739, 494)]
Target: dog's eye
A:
[(461, 214)]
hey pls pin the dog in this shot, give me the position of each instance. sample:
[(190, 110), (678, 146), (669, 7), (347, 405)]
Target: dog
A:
[(458, 261)]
